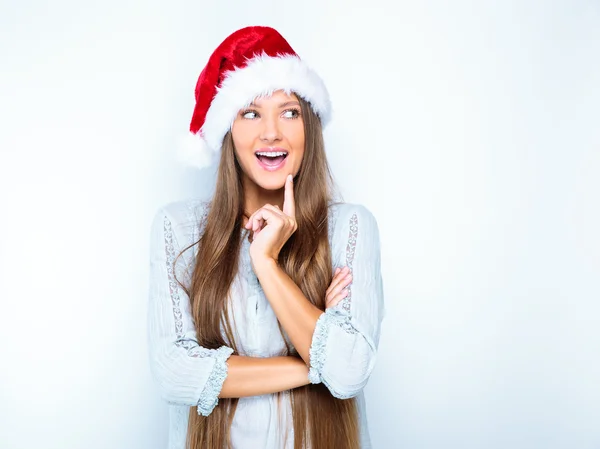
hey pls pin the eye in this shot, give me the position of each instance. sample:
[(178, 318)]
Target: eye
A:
[(291, 113), (249, 114)]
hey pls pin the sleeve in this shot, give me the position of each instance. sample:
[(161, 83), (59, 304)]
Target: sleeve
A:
[(185, 372), (345, 340)]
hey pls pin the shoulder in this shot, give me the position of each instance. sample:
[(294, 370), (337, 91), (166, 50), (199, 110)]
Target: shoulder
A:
[(354, 228), (181, 211), (351, 213), (348, 220), (184, 217)]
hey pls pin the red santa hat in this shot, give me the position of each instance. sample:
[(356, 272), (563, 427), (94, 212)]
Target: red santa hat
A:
[(252, 62)]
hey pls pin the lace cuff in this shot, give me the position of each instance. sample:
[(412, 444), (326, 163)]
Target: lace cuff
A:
[(319, 342), (209, 397)]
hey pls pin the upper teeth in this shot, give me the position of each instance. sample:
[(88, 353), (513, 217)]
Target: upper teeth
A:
[(271, 153)]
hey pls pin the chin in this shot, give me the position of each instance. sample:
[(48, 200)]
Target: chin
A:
[(274, 184), (270, 181)]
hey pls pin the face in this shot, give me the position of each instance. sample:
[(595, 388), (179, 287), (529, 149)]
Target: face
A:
[(269, 140)]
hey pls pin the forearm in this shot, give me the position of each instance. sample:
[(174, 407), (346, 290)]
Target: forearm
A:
[(253, 376), (295, 312)]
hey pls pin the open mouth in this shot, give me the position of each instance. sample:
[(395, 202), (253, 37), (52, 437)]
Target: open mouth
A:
[(271, 158)]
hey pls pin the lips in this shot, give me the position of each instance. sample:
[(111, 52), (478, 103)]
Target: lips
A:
[(271, 159)]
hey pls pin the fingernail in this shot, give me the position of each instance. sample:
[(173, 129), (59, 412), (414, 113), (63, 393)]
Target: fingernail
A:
[(290, 178)]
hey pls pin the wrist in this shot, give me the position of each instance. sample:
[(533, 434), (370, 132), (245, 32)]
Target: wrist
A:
[(264, 265), (300, 371)]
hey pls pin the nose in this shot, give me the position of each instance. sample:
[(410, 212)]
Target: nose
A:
[(270, 131)]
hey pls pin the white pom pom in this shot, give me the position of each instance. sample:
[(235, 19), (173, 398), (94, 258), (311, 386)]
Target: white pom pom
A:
[(193, 151)]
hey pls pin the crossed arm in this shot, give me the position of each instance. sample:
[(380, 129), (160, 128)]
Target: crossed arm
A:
[(250, 376), (342, 341)]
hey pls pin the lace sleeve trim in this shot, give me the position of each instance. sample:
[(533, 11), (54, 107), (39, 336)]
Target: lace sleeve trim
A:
[(342, 309), (331, 317), (209, 396), (173, 286), (317, 348), (350, 250), (317, 352)]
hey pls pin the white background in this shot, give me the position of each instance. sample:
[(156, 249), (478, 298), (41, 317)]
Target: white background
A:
[(470, 131)]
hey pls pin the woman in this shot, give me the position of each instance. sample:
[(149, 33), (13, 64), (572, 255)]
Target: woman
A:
[(266, 301)]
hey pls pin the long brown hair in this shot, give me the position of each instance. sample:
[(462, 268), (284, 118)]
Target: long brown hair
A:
[(320, 420)]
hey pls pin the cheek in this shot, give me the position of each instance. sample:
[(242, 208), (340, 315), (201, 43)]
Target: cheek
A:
[(298, 137), (299, 146), (242, 145), (243, 157), (241, 133)]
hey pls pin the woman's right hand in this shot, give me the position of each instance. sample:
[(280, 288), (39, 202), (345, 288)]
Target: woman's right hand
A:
[(337, 289)]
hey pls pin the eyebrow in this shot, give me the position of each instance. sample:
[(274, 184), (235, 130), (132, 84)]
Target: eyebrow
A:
[(282, 105)]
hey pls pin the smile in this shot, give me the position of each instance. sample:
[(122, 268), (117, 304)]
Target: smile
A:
[(271, 159)]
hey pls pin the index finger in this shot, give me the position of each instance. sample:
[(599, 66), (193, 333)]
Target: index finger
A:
[(289, 205)]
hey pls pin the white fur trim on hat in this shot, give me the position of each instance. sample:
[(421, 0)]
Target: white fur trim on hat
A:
[(261, 77)]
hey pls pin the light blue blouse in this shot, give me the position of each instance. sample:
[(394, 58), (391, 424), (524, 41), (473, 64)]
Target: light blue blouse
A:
[(344, 344)]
